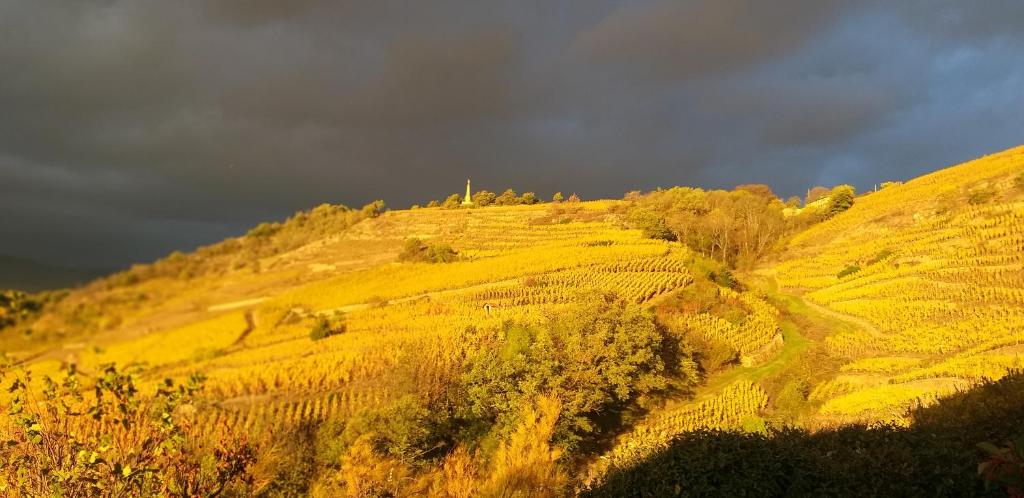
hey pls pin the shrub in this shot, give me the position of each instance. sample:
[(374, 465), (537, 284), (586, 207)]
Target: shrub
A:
[(416, 250), (452, 202), (484, 198), (440, 253), (713, 355), (324, 328), (108, 440), (792, 398), (526, 464), (405, 430), (366, 473), (507, 198), (374, 209), (651, 224), (881, 256), (1004, 467), (529, 198), (849, 270), (557, 197), (981, 195), (724, 277)]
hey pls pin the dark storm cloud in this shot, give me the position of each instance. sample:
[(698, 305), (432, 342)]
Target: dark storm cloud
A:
[(701, 37), (131, 128)]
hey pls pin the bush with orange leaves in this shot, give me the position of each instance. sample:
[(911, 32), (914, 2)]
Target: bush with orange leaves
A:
[(524, 464), (61, 439)]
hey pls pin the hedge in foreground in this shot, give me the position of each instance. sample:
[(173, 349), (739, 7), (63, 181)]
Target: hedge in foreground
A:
[(937, 455)]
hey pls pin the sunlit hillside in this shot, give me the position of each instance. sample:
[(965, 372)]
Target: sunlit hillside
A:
[(232, 326), (931, 273), (462, 348)]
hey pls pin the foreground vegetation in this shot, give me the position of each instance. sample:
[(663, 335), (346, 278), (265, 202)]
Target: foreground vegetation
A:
[(938, 454)]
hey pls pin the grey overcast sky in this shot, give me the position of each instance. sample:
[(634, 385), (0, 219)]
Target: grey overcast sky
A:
[(130, 128)]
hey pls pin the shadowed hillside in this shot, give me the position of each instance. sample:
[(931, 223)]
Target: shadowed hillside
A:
[(936, 455)]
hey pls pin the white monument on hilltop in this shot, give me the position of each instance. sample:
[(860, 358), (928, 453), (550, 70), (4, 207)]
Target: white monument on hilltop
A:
[(468, 201)]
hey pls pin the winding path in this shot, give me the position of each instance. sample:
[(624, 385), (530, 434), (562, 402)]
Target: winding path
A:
[(862, 323)]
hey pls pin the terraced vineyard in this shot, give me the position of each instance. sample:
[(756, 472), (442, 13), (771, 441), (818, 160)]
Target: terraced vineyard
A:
[(578, 324), (736, 404), (936, 266), (276, 377), (756, 338)]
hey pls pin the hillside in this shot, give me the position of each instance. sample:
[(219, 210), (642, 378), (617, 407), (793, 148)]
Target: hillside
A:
[(932, 272), (566, 338)]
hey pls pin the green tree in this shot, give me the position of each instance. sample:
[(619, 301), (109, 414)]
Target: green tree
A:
[(452, 202), (651, 224), (484, 198), (600, 354), (842, 198), (528, 198), (557, 197), (507, 198)]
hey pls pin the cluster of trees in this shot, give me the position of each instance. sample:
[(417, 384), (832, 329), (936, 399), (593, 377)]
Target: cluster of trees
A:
[(736, 227), (484, 198), (595, 359), (506, 418)]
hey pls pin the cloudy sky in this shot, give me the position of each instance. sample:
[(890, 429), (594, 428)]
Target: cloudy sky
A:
[(130, 128)]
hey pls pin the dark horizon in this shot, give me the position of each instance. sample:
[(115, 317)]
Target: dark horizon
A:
[(132, 129)]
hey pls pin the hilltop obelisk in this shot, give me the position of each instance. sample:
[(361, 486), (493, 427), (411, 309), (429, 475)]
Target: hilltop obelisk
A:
[(468, 201)]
